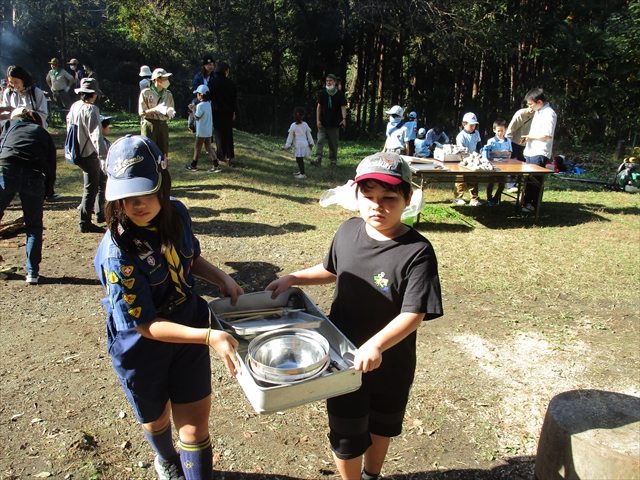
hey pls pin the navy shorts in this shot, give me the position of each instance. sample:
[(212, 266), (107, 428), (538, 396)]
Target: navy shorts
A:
[(152, 372), (354, 416)]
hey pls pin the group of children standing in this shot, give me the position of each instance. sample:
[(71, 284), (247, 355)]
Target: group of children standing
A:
[(497, 147), (405, 138)]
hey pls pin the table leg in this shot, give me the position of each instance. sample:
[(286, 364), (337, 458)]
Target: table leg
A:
[(542, 179)]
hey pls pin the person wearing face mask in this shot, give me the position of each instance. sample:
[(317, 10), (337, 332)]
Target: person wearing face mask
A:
[(74, 66), (331, 114), (397, 133), (156, 107)]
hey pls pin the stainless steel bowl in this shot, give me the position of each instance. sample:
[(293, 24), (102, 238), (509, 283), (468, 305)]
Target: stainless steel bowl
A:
[(288, 355)]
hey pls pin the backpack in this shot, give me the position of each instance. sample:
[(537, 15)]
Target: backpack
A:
[(72, 150), (72, 145), (628, 176)]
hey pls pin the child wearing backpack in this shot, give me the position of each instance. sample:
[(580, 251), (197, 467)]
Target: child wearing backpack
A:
[(204, 130)]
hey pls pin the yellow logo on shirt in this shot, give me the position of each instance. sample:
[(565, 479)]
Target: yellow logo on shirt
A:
[(128, 283), (129, 298), (113, 278), (135, 312)]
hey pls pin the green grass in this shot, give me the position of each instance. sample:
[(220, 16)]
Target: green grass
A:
[(582, 255)]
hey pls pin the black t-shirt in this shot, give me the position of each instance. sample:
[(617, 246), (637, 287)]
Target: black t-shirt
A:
[(378, 280), (330, 117)]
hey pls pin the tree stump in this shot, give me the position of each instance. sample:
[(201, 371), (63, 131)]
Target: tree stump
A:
[(590, 434)]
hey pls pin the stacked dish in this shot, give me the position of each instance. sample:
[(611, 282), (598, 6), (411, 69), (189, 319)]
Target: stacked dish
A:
[(288, 355)]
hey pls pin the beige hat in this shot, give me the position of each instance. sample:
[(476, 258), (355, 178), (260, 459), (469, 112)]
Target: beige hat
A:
[(160, 72), (73, 61)]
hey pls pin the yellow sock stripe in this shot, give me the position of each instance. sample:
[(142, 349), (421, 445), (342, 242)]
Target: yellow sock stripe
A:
[(195, 447), (154, 434)]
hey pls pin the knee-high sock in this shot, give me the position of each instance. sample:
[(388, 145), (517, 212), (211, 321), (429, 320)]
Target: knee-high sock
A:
[(197, 462), (162, 442)]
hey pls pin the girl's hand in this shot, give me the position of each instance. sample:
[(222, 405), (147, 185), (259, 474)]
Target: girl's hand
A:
[(287, 148), (367, 358), (225, 345), (229, 288)]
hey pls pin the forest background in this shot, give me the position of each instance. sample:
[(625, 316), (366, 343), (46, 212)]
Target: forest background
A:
[(440, 58)]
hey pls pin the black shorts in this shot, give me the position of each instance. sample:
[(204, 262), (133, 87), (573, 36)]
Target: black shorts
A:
[(354, 416)]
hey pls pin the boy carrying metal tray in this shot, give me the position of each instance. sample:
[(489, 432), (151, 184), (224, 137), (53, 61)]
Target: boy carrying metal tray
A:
[(387, 283)]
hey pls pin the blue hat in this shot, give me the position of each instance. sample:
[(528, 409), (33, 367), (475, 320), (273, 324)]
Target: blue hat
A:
[(134, 163), (202, 89), (387, 167), (413, 115)]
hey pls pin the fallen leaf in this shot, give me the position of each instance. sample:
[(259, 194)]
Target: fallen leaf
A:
[(36, 420), (16, 416), (247, 434), (216, 458), (42, 475), (305, 438), (257, 469)]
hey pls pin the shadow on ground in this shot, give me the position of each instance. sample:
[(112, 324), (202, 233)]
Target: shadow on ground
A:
[(445, 217), (518, 468)]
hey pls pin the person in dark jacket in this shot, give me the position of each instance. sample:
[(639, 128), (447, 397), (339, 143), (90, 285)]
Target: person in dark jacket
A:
[(223, 106), (27, 160), (331, 115)]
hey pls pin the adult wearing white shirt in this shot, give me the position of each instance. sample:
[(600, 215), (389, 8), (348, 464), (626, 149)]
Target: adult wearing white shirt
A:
[(539, 142), (21, 92)]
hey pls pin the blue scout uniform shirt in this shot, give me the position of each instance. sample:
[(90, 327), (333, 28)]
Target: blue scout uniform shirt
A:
[(422, 147), (412, 129), (139, 287), (396, 137), (433, 137), (495, 144), (469, 140)]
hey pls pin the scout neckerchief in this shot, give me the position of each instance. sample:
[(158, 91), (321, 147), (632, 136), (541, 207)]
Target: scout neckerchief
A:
[(331, 93), (153, 88), (54, 74), (170, 254), (174, 265)]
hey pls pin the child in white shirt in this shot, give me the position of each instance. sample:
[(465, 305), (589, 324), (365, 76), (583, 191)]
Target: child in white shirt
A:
[(301, 139)]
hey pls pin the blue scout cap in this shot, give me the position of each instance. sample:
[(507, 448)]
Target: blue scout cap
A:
[(134, 163), (387, 167), (202, 89)]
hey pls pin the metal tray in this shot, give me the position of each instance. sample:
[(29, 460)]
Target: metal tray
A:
[(339, 379)]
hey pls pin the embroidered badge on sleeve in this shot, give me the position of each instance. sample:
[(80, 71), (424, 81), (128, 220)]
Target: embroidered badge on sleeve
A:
[(129, 298), (127, 270), (128, 283), (135, 312)]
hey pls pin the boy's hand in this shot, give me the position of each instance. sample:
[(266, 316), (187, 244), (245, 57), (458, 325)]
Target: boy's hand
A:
[(367, 358), (286, 148), (280, 285), (225, 345)]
